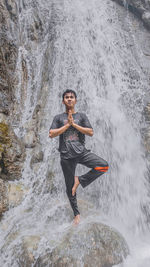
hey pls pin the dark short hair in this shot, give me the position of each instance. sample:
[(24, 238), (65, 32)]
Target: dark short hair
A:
[(69, 91)]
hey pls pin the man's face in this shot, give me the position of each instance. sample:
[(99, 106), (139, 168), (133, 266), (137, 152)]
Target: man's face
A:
[(69, 100)]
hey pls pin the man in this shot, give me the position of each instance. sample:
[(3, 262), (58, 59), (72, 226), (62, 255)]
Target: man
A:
[(72, 127)]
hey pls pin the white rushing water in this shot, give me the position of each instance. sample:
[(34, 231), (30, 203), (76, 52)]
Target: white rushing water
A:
[(88, 47)]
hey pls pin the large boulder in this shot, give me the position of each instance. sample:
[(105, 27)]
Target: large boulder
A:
[(91, 244)]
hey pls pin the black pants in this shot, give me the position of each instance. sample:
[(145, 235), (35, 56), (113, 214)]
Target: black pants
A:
[(99, 166)]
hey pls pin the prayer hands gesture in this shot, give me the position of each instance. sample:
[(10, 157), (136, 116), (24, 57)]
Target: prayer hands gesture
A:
[(70, 118)]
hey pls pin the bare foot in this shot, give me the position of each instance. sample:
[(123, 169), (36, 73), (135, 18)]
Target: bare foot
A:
[(76, 219), (76, 183)]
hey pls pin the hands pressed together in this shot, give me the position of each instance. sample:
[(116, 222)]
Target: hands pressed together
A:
[(56, 132), (70, 118)]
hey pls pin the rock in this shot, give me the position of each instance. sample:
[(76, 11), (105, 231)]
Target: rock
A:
[(37, 155), (11, 195), (35, 28), (8, 54), (16, 192), (93, 244), (29, 244), (3, 117), (146, 131), (12, 153), (139, 7), (29, 139), (146, 18), (49, 185), (3, 197), (147, 113), (88, 244), (11, 149)]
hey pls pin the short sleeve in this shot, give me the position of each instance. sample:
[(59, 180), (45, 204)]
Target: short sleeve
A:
[(55, 123), (85, 121)]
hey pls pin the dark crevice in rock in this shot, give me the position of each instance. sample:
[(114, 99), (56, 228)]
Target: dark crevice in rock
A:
[(2, 166)]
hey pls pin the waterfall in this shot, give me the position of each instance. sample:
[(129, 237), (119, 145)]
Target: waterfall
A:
[(85, 46)]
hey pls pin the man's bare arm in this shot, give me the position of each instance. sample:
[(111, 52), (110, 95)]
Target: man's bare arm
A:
[(56, 132), (88, 131)]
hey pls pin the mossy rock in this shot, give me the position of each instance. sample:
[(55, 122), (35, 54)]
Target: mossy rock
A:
[(5, 140), (12, 153)]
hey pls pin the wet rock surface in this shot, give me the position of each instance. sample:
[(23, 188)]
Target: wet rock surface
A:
[(12, 153), (11, 195), (15, 194), (140, 8), (8, 54), (11, 149), (87, 244), (37, 155), (94, 245), (3, 197)]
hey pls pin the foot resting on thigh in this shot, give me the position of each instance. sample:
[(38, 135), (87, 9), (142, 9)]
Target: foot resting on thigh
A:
[(76, 183), (76, 219)]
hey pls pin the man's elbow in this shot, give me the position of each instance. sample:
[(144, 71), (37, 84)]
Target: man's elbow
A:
[(51, 134)]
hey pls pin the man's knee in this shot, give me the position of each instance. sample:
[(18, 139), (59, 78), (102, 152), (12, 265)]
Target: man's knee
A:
[(102, 167)]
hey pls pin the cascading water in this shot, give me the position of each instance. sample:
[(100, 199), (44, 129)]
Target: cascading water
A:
[(85, 46)]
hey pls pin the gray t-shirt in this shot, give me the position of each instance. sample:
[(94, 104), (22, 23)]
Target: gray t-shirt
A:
[(71, 142)]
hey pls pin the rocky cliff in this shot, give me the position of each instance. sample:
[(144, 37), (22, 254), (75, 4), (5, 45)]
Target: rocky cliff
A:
[(12, 153), (8, 54)]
